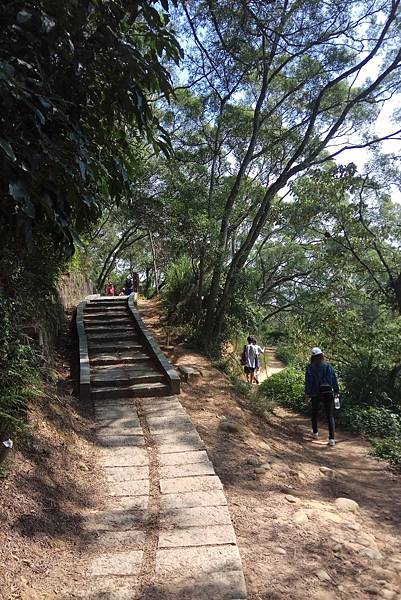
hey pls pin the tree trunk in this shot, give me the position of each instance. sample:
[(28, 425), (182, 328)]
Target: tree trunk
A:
[(155, 272)]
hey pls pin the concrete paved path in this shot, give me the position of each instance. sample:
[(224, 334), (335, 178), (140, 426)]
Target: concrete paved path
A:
[(165, 531)]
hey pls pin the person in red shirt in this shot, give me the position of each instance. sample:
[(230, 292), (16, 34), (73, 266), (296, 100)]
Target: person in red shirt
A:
[(110, 289)]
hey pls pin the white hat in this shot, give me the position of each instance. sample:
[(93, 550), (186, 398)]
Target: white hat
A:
[(316, 351)]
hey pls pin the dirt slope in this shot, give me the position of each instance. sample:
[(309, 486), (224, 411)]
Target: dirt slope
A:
[(295, 543)]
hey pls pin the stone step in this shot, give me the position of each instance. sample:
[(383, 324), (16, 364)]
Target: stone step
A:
[(89, 308), (106, 316), (111, 335), (139, 390), (112, 300), (103, 329), (111, 347), (106, 380), (120, 358), (104, 323)]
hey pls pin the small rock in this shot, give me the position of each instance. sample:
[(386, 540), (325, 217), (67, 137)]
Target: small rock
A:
[(285, 487), (325, 595), (372, 553), (346, 505), (323, 575), (253, 460), (266, 465), (279, 551), (83, 467), (292, 499), (387, 594), (259, 470), (300, 517), (230, 426), (337, 548), (328, 472), (366, 539), (353, 526)]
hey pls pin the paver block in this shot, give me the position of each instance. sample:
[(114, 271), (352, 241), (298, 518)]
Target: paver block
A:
[(132, 539), (129, 488), (112, 402), (107, 588), (158, 400), (227, 585), (192, 469), (190, 484), (119, 563), (170, 427), (118, 520), (211, 535), (180, 442), (123, 457), (119, 441), (113, 429), (170, 410), (117, 474), (184, 458), (122, 411), (197, 516), (190, 499), (195, 560)]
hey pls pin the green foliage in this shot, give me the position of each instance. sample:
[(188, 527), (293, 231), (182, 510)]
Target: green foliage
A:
[(30, 312), (367, 383), (372, 422), (285, 388), (179, 292), (74, 81), (286, 355), (389, 449)]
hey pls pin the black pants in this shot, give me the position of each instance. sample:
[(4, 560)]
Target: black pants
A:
[(328, 404)]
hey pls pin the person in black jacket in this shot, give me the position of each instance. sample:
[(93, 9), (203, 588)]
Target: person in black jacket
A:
[(321, 386)]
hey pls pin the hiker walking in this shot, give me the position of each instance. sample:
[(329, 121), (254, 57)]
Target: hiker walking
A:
[(249, 359), (322, 387), (259, 351)]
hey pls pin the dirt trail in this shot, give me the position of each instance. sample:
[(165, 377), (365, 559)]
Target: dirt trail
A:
[(270, 364), (295, 542)]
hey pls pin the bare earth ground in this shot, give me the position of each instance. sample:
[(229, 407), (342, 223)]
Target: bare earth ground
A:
[(294, 543), (52, 481)]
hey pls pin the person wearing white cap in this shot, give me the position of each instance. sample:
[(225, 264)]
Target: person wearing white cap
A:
[(321, 386)]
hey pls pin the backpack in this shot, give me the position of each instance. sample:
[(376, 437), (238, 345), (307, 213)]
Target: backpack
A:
[(325, 389), (243, 356)]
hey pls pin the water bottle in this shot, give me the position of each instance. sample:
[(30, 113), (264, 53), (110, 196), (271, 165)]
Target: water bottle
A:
[(337, 401)]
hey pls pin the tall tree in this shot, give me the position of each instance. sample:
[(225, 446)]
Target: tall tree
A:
[(304, 82)]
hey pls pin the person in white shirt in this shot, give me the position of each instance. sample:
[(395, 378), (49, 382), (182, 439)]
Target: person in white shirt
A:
[(259, 351), (251, 359)]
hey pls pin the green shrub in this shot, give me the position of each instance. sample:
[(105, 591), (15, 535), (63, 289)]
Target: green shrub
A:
[(370, 384), (285, 388), (389, 449), (372, 421), (285, 354)]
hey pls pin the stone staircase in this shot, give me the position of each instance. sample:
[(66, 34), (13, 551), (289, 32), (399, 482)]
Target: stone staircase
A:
[(120, 365)]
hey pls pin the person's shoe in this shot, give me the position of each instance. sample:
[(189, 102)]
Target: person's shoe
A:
[(315, 435), (332, 443)]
